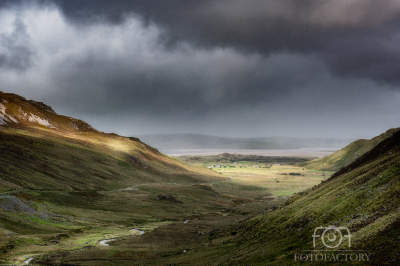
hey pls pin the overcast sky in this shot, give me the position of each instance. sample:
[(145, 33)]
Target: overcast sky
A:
[(238, 68)]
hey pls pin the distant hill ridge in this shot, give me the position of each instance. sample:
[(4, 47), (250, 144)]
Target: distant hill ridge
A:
[(199, 141)]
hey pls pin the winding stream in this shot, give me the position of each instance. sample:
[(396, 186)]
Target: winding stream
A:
[(28, 261), (104, 242)]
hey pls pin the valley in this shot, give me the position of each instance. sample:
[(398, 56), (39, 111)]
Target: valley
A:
[(75, 224), (72, 195)]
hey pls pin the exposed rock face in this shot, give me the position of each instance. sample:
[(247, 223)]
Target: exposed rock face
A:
[(14, 204), (168, 197), (42, 106)]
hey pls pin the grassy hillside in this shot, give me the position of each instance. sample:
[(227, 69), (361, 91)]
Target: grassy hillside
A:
[(43, 150), (39, 158), (348, 154)]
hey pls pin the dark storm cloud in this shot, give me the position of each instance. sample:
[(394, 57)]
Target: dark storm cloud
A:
[(354, 38), (374, 57), (237, 68), (16, 52), (186, 84)]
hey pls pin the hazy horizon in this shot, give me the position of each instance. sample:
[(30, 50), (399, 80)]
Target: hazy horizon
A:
[(233, 69), (256, 137)]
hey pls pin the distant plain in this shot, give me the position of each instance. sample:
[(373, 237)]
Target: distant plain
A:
[(301, 152)]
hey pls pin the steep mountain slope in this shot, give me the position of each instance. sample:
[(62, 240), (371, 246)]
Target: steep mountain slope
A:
[(43, 150), (348, 154)]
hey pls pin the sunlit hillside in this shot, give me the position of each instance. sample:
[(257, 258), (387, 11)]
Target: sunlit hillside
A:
[(348, 154)]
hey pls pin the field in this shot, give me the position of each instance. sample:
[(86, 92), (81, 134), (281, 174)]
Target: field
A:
[(253, 175), (278, 180)]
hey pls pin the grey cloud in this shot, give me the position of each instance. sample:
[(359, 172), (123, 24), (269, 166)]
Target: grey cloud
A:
[(16, 52), (11, 3)]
